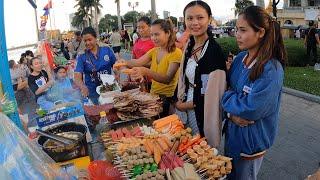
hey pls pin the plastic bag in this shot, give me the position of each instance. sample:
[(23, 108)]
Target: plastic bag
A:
[(103, 170), (22, 159)]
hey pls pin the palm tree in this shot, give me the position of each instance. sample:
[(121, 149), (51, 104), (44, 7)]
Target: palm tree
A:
[(118, 14), (97, 11), (88, 9), (83, 12), (240, 5)]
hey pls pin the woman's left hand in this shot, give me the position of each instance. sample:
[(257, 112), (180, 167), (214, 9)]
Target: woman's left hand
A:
[(240, 121)]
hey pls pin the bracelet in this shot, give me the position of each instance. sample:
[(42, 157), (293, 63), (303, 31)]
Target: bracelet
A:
[(229, 115)]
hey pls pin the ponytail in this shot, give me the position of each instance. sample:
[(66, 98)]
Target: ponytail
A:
[(167, 27), (271, 45)]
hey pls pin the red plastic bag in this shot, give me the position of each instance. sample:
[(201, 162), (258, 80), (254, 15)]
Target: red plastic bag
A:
[(101, 170)]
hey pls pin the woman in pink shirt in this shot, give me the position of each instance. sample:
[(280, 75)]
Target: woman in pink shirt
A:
[(144, 43)]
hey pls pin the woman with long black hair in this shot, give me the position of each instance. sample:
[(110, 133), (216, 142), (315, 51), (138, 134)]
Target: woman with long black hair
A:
[(253, 99), (202, 75)]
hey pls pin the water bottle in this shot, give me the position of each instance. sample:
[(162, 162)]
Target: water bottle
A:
[(103, 123), (103, 118)]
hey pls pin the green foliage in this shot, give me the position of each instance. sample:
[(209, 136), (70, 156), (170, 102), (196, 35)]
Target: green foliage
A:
[(242, 5), (77, 20), (303, 79), (108, 22), (131, 16), (84, 11), (295, 49), (228, 44)]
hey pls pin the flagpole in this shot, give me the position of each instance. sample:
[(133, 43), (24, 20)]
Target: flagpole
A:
[(37, 24), (50, 26), (53, 15)]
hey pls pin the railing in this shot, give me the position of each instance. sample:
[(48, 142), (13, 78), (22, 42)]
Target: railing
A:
[(22, 47)]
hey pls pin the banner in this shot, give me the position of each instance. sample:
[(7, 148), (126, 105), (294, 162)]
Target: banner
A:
[(69, 114)]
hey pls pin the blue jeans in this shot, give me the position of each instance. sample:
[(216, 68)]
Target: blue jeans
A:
[(245, 169)]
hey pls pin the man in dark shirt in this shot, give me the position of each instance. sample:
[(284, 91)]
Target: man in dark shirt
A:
[(311, 41)]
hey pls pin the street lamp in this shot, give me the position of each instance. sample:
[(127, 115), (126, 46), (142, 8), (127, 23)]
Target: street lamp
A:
[(274, 7), (133, 4)]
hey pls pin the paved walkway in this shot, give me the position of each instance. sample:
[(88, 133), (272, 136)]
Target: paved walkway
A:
[(296, 152)]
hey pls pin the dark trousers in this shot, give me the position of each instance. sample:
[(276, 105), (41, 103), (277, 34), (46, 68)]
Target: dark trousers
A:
[(166, 102), (314, 58)]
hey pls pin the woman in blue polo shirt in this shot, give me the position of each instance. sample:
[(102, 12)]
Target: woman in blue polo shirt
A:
[(94, 61)]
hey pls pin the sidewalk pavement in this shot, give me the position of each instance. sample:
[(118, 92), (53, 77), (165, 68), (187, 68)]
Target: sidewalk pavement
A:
[(296, 152)]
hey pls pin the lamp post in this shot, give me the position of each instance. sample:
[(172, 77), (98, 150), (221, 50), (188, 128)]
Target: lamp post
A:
[(133, 5), (274, 7)]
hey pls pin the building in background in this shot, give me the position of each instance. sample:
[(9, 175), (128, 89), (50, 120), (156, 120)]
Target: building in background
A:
[(299, 12), (295, 15)]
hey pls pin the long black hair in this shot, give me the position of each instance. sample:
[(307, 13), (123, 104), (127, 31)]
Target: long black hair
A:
[(271, 46), (191, 43)]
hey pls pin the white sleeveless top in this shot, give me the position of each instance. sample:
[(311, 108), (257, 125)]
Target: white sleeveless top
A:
[(190, 73)]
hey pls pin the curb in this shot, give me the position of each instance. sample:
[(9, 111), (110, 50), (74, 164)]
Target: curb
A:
[(301, 94)]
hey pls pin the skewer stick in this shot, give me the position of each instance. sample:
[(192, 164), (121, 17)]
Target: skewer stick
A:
[(202, 176), (201, 170)]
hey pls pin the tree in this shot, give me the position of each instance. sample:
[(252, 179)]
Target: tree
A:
[(78, 20), (108, 22), (131, 16), (241, 5), (85, 10), (118, 14)]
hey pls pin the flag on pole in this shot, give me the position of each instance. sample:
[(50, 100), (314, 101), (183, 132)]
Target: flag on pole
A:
[(46, 12), (48, 5)]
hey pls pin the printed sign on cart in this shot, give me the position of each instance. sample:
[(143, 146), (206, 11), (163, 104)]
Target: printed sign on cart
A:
[(67, 115)]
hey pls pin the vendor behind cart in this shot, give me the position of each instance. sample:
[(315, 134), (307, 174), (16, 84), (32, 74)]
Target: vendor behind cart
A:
[(94, 61), (164, 61)]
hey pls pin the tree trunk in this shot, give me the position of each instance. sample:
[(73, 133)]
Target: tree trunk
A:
[(118, 14), (96, 20)]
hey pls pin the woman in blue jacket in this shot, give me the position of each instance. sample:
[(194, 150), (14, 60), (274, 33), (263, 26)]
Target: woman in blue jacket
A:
[(253, 99)]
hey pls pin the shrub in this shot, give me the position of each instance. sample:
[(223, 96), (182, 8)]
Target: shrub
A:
[(296, 51)]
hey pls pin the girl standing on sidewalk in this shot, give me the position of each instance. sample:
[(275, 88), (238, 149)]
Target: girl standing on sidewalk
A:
[(202, 78), (253, 100)]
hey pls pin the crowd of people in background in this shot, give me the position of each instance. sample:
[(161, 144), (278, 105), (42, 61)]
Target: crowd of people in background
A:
[(187, 68)]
